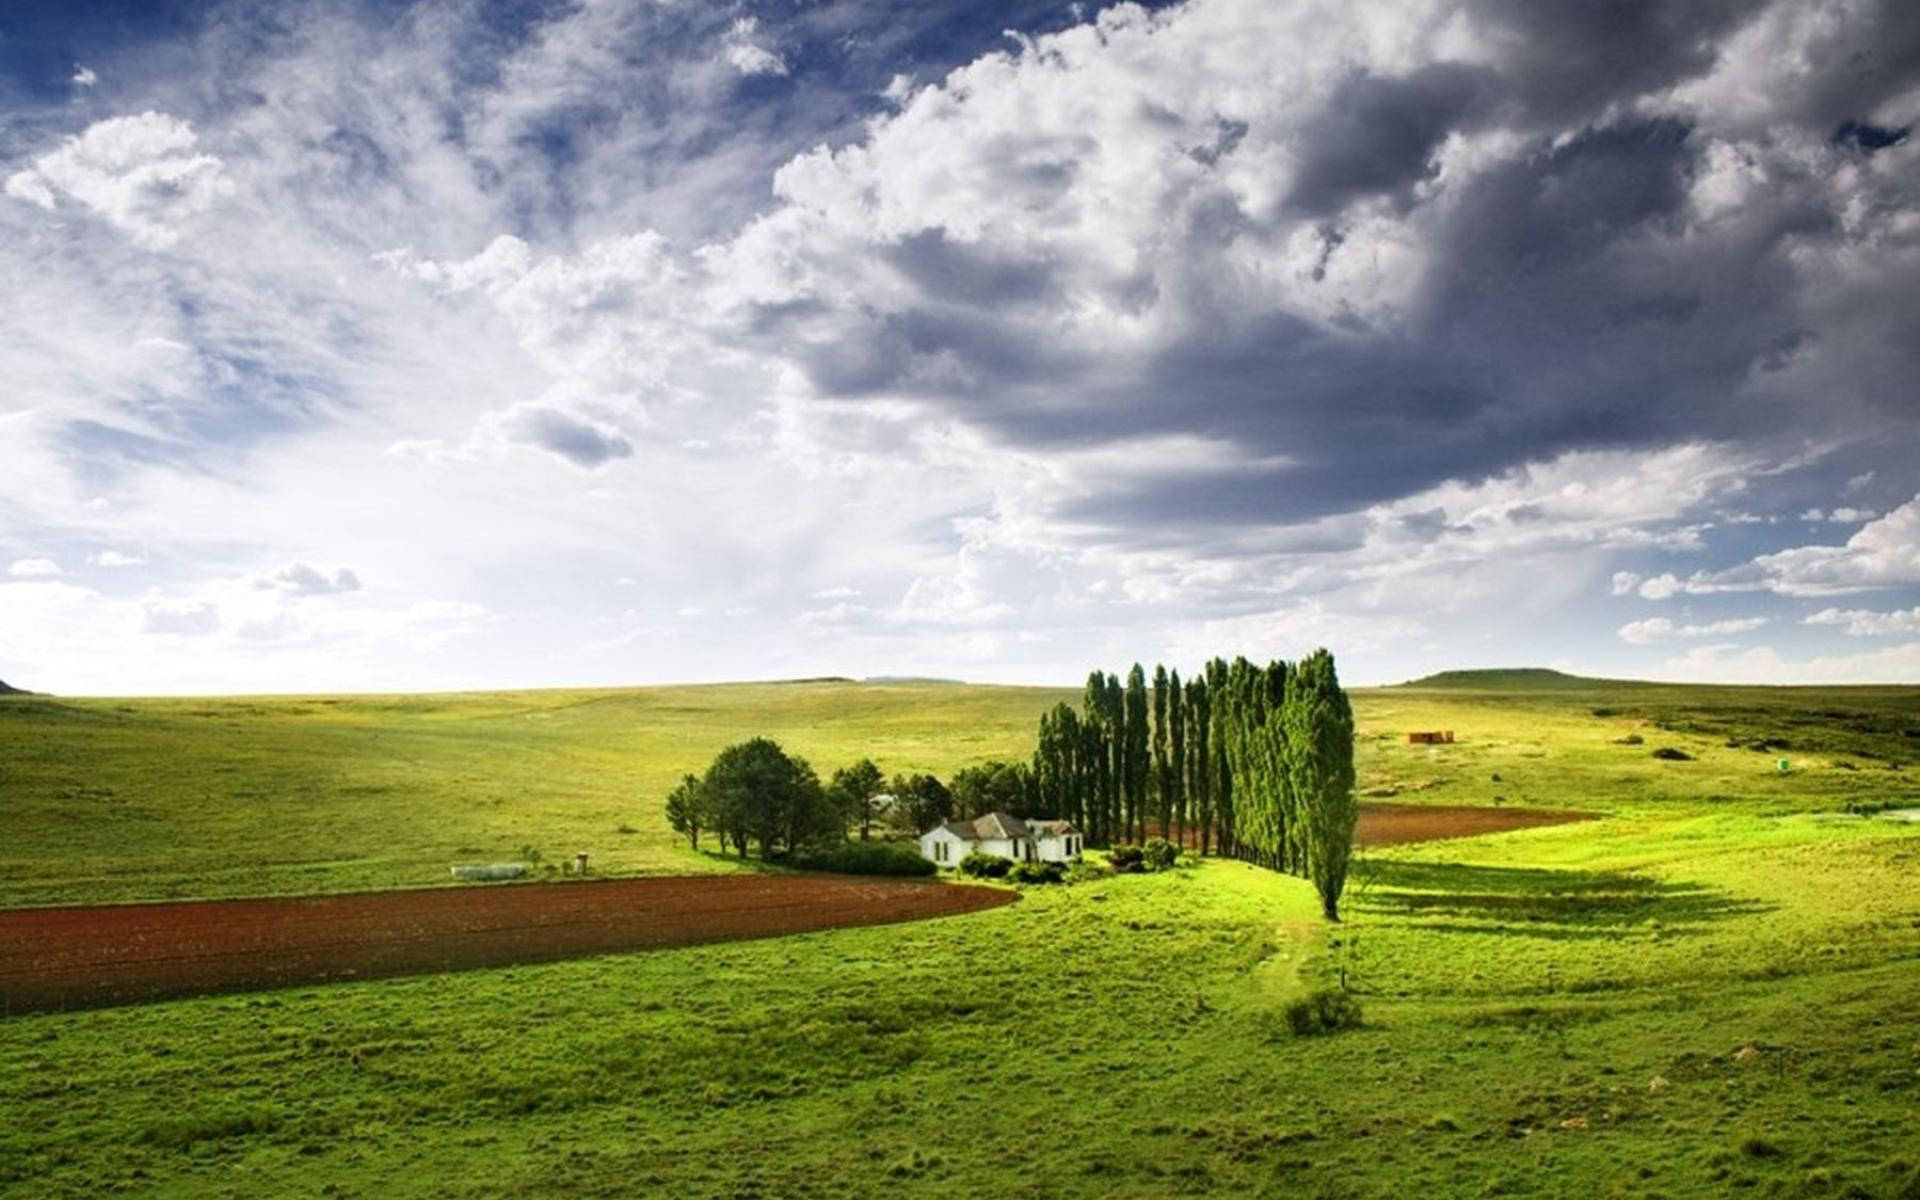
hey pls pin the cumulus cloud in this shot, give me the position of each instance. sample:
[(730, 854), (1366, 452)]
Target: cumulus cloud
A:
[(748, 56), (116, 558), (1885, 552), (299, 579), (1839, 516), (1661, 586), (140, 173), (84, 77), (1660, 629), (1417, 327), (1860, 622), (33, 568), (1733, 663)]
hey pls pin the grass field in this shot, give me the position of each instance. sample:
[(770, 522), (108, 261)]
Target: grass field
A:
[(1708, 992)]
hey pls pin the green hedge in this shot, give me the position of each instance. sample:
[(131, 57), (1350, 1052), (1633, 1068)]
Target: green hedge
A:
[(863, 858)]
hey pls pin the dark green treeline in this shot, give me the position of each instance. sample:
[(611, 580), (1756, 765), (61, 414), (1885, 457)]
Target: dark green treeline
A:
[(1242, 760)]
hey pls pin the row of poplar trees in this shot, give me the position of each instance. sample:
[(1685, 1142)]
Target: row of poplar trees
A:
[(1241, 760)]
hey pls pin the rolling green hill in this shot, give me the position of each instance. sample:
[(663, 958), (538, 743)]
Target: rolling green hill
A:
[(1707, 993)]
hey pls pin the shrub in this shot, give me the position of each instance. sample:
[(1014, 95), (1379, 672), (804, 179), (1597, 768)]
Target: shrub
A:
[(1038, 872), (1670, 754), (1125, 859), (1158, 854), (1083, 870), (1325, 1011), (863, 858), (985, 866), (1632, 739)]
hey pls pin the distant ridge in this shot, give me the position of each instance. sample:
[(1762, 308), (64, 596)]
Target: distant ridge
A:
[(1508, 678), (908, 679), (7, 689)]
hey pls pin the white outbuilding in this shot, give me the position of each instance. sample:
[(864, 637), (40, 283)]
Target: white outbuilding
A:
[(1003, 836)]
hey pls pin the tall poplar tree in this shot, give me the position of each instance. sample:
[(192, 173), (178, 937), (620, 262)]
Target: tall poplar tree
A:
[(1319, 755), (1200, 759), (1162, 754), (1136, 756), (1177, 756), (1117, 739)]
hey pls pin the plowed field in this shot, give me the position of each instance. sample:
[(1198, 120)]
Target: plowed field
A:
[(1393, 824), (55, 958)]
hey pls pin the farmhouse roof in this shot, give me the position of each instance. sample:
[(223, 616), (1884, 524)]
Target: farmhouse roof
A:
[(1004, 825)]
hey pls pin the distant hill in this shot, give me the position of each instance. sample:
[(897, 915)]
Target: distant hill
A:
[(908, 679), (7, 689), (1510, 679)]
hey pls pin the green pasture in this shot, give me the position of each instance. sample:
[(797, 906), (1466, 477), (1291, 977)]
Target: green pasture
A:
[(109, 800), (1708, 992)]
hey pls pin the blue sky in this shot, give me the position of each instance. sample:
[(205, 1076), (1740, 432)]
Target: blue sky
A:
[(449, 345)]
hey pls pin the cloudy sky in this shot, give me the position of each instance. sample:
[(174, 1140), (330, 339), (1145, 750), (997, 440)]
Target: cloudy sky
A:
[(461, 344)]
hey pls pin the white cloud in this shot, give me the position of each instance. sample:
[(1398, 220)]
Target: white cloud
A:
[(33, 568), (1839, 516), (187, 617), (84, 77), (140, 173), (748, 56), (1660, 587), (1731, 663), (115, 558), (1860, 622), (1660, 629), (299, 579), (1883, 553), (1624, 582)]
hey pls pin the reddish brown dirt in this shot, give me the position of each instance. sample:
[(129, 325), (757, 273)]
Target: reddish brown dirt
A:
[(55, 958), (1393, 824)]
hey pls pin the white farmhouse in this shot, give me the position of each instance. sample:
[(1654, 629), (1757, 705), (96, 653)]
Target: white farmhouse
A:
[(1003, 836)]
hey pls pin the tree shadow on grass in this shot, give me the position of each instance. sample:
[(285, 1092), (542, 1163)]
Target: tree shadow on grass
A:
[(1545, 903)]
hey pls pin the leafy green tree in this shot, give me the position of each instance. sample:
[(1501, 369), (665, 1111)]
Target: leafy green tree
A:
[(1200, 759), (769, 797), (992, 787), (1113, 704), (1177, 758), (858, 792), (919, 803), (1318, 720), (686, 809), (1162, 756), (1135, 761)]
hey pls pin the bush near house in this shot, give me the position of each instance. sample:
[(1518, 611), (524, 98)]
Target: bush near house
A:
[(863, 858), (985, 866), (1159, 854), (1038, 872)]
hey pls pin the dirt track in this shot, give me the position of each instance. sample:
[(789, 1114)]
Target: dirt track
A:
[(55, 958), (1393, 824)]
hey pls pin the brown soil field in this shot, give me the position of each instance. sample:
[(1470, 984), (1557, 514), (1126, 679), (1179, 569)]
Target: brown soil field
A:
[(60, 958), (1394, 824)]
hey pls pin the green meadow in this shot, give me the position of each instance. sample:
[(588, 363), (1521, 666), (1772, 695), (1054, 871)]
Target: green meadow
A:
[(1707, 991)]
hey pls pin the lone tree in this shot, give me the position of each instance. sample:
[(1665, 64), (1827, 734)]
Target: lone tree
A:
[(687, 809), (1318, 722), (856, 793), (756, 792)]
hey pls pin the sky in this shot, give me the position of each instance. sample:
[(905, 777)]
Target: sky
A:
[(355, 346)]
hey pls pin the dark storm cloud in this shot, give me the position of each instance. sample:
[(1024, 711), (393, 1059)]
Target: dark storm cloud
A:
[(1565, 60), (1574, 298), (1378, 135)]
